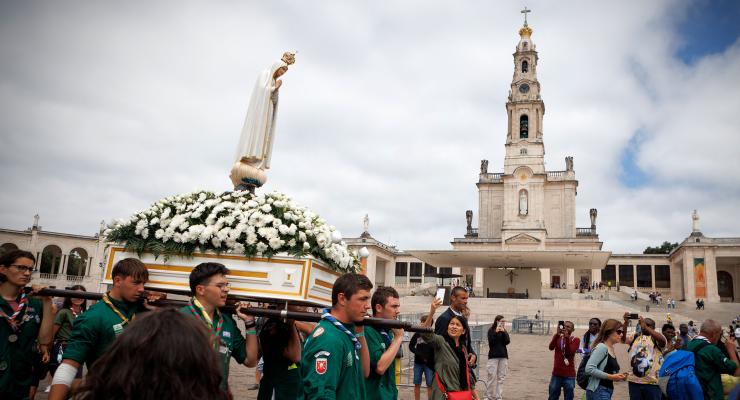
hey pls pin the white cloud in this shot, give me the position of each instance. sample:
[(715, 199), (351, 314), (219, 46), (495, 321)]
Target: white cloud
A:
[(105, 108)]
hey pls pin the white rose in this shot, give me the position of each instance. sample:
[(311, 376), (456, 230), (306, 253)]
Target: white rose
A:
[(276, 243), (261, 247), (306, 246)]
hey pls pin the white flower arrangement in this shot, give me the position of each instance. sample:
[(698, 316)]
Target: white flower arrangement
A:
[(232, 222)]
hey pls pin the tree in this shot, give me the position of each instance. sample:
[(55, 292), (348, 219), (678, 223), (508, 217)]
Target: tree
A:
[(664, 248)]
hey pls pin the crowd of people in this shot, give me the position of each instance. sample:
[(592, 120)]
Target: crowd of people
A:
[(134, 350)]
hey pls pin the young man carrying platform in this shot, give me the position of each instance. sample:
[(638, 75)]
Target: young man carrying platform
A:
[(383, 345), (210, 288), (95, 330), (335, 359), (23, 320)]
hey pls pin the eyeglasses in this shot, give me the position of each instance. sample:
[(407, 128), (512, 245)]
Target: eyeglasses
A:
[(619, 331), (23, 268)]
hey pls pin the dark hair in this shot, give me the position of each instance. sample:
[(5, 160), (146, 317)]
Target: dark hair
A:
[(132, 267), (203, 272), (607, 328), (667, 326), (381, 295), (7, 259), (424, 317), (457, 289), (649, 322), (495, 322), (68, 301), (348, 285), (597, 320), (163, 355)]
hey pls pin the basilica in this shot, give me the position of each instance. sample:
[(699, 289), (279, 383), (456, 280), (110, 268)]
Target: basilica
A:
[(526, 240)]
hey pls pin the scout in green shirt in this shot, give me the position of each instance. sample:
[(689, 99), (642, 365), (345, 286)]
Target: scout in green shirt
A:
[(710, 362), (95, 330), (335, 361), (383, 346), (210, 289), (23, 320)]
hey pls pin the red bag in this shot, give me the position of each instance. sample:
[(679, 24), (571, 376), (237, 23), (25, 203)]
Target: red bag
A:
[(461, 395)]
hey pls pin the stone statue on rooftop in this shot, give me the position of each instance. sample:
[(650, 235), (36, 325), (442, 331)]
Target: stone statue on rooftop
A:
[(695, 222), (469, 220), (483, 166), (569, 163)]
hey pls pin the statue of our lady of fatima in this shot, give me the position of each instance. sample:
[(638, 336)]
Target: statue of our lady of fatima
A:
[(255, 144)]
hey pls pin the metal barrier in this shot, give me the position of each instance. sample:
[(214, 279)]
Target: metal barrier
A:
[(530, 326)]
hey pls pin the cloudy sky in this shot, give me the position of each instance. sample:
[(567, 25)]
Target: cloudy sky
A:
[(108, 106)]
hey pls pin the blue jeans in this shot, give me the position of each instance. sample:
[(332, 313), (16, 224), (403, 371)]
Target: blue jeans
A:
[(644, 392), (601, 393), (423, 369), (557, 382)]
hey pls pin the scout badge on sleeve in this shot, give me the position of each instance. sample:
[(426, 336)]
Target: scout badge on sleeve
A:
[(321, 365)]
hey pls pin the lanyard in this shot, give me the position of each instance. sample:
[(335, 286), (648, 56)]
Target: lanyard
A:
[(109, 303), (386, 337), (342, 328), (15, 325), (196, 308)]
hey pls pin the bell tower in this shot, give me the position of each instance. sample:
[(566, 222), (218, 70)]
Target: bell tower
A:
[(525, 109)]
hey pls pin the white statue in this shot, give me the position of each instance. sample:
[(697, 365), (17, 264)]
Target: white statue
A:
[(695, 221), (365, 224), (258, 134), (523, 202)]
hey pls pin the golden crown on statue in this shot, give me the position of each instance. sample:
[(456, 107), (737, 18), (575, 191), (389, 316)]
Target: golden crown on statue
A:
[(289, 57)]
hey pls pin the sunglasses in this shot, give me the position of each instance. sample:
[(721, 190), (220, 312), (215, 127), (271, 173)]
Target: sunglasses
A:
[(619, 331)]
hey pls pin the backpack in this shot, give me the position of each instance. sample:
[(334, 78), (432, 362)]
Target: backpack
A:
[(581, 376), (676, 376)]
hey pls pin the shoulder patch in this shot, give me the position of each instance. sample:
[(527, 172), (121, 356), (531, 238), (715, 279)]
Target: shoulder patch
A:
[(321, 353), (321, 365), (318, 332)]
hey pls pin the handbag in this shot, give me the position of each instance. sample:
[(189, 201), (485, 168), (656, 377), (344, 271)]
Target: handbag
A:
[(460, 395)]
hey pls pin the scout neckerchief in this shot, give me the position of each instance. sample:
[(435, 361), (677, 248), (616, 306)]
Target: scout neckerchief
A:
[(327, 316), (15, 325), (386, 337), (109, 303), (196, 308)]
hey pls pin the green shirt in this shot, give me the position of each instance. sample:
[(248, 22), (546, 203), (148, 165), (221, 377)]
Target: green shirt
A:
[(710, 364), (96, 329), (16, 357), (381, 387), (330, 365), (281, 377), (64, 318), (232, 344)]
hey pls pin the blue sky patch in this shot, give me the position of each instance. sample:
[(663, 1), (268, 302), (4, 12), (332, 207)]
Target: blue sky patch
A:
[(631, 174), (709, 27)]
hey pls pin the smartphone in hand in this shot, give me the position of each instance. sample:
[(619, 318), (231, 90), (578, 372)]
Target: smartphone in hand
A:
[(440, 295)]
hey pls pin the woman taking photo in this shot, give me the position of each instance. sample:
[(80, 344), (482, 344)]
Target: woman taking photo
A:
[(602, 366), (452, 378), (498, 358)]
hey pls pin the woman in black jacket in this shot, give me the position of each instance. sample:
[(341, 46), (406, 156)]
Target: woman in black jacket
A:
[(498, 358)]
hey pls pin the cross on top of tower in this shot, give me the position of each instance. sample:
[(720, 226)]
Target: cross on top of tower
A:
[(525, 12)]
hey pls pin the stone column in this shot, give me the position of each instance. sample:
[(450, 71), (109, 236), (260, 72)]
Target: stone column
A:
[(390, 272), (63, 265), (570, 278), (710, 264), (634, 276), (595, 275), (688, 277), (652, 276)]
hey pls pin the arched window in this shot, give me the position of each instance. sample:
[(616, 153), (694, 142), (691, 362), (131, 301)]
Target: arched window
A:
[(523, 202), (51, 258), (525, 66), (523, 126), (76, 262)]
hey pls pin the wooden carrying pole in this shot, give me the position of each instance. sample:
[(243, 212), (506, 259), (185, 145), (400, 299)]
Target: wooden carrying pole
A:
[(258, 312)]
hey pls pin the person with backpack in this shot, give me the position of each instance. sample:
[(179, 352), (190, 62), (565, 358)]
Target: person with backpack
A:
[(423, 362), (601, 368), (710, 362), (646, 356), (594, 326)]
